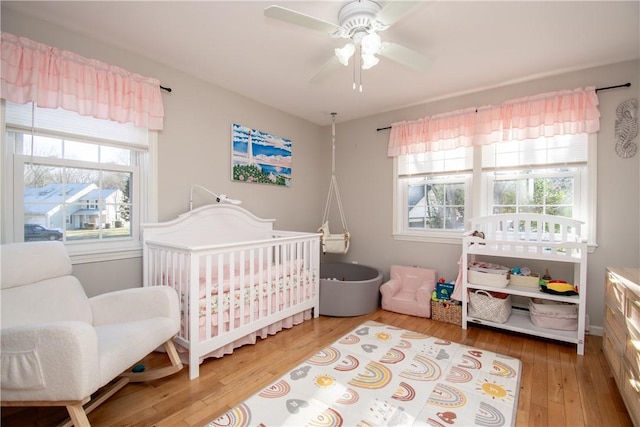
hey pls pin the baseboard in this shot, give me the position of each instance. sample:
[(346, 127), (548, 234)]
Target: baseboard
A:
[(596, 330)]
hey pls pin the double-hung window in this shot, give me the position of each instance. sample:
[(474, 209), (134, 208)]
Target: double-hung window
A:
[(437, 193), (81, 180), (543, 176), (431, 192), (74, 166)]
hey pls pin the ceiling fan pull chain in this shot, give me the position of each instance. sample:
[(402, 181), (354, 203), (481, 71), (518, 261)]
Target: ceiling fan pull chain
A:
[(354, 74), (360, 68)]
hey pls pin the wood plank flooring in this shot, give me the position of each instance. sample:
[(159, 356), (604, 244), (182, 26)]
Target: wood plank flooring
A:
[(558, 388)]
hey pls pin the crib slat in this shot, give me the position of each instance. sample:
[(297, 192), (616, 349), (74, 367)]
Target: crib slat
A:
[(207, 295), (220, 295), (252, 287)]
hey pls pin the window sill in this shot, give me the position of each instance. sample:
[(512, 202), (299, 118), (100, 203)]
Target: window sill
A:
[(454, 238), (450, 238), (104, 254)]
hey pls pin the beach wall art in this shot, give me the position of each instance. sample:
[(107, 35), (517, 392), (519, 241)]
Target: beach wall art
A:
[(260, 157)]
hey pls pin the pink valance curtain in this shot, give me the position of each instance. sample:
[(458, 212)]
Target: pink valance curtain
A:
[(545, 115), (54, 78)]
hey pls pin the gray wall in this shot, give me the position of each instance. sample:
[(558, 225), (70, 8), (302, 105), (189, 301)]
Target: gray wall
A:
[(195, 148), (365, 175)]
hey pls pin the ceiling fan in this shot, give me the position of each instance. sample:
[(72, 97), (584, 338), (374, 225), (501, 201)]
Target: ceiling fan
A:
[(359, 21)]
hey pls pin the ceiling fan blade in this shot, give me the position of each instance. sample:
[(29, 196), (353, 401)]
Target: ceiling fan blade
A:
[(405, 56), (395, 10), (329, 67), (297, 18)]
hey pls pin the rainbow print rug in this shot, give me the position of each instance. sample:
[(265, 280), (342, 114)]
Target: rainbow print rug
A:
[(380, 375)]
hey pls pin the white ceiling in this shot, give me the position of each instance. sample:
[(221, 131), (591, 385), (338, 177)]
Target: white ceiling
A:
[(473, 45)]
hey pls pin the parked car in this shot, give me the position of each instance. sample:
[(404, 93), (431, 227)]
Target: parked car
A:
[(38, 232)]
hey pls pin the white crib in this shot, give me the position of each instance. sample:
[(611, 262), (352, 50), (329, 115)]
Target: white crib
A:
[(237, 277)]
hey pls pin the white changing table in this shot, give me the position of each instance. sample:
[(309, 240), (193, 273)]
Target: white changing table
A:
[(549, 238)]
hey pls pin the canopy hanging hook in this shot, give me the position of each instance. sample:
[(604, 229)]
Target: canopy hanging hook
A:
[(333, 143), (332, 242)]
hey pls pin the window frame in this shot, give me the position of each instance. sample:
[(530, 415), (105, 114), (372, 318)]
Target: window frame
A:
[(144, 192), (478, 203), (400, 213)]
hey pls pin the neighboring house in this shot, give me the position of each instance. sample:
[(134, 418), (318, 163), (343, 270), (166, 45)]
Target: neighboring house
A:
[(81, 206)]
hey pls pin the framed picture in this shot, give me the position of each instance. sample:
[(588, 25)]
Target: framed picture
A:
[(258, 156)]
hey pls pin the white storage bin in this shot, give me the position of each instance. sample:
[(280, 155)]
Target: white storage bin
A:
[(488, 274), (526, 281), (487, 279), (553, 314), (488, 267)]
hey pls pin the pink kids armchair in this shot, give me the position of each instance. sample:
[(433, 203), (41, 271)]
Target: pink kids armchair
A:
[(408, 290)]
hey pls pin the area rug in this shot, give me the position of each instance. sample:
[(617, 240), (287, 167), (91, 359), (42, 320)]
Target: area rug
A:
[(380, 375)]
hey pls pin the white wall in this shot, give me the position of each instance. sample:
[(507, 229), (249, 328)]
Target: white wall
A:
[(365, 177)]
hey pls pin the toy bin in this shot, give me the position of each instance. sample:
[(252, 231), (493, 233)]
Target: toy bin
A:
[(553, 314), (444, 311)]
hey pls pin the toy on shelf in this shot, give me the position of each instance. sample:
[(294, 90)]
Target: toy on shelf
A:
[(443, 290), (558, 287)]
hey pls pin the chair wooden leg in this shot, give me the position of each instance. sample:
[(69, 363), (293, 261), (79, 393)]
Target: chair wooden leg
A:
[(170, 348), (154, 374), (103, 394), (77, 410), (78, 416)]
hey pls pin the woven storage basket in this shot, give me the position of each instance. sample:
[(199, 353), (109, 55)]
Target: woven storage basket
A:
[(446, 312), (483, 305)]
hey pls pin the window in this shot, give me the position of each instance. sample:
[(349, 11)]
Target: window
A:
[(432, 192), (437, 193), (86, 179)]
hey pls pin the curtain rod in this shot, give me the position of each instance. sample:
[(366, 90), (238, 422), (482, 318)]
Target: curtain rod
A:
[(597, 90), (168, 89)]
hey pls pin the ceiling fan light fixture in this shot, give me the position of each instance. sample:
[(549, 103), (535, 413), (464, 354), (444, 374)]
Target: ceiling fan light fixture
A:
[(345, 53), (371, 43), (369, 60), (359, 21)]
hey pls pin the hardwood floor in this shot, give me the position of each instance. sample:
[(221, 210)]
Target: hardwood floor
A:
[(558, 387)]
